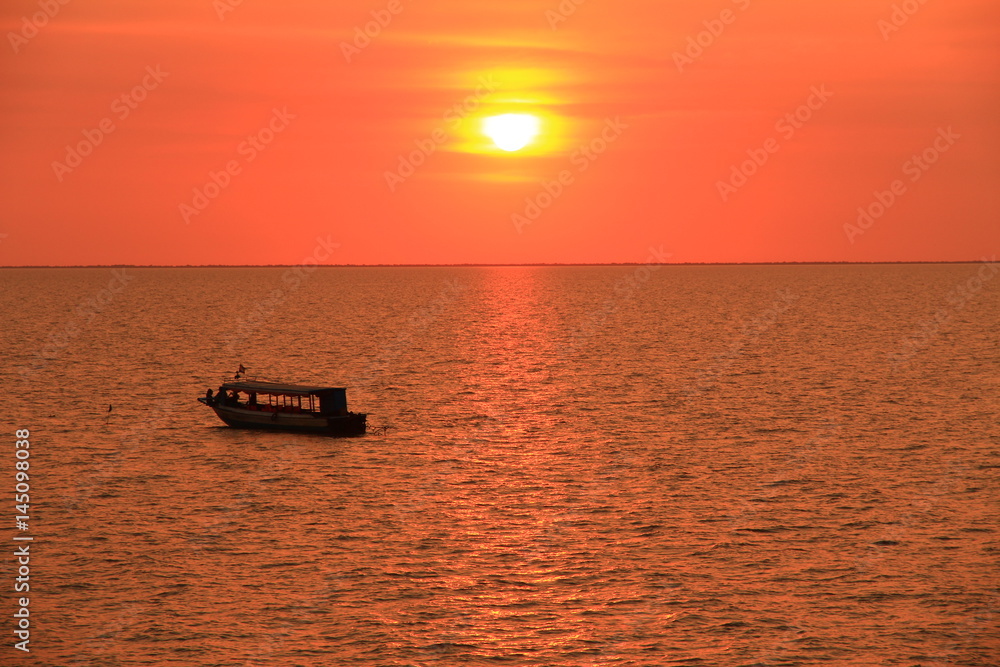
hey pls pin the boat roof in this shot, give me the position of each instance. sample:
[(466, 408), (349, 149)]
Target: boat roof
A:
[(278, 388)]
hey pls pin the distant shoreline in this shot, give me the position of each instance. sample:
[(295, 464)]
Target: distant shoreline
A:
[(445, 266)]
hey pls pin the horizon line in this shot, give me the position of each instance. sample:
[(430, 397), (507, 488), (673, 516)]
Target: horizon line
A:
[(475, 265)]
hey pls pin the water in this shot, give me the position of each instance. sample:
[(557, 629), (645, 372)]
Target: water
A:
[(585, 466)]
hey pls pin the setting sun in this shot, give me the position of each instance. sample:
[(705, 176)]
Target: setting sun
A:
[(511, 131)]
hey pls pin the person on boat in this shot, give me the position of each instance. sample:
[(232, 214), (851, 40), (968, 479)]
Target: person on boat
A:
[(252, 402), (220, 396), (208, 396)]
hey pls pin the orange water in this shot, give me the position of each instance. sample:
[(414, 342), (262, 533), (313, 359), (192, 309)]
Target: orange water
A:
[(706, 466)]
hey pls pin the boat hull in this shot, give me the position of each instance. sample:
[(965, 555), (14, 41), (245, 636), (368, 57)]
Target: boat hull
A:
[(351, 424)]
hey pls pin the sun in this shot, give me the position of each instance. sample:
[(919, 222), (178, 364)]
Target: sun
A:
[(511, 131)]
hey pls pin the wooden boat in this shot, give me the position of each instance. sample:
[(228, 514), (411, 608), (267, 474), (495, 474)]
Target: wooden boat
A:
[(286, 407)]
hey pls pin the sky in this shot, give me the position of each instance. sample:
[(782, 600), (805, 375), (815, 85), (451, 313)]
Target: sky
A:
[(350, 132)]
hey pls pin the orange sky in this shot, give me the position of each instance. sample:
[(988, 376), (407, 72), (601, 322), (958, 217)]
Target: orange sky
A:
[(667, 128)]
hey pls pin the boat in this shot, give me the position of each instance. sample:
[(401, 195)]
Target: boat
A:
[(285, 407)]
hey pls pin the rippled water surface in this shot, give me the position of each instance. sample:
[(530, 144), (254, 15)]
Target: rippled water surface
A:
[(710, 466)]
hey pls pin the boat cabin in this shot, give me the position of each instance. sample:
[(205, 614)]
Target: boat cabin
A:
[(277, 397)]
